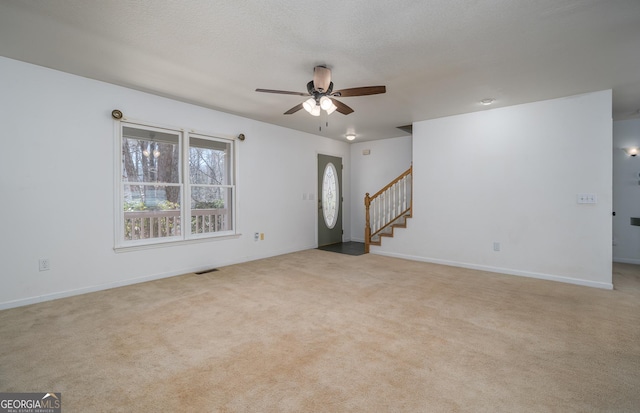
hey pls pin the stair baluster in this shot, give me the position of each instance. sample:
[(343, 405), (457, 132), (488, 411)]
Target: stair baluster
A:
[(387, 209)]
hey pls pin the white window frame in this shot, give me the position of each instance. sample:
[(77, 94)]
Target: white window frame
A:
[(189, 185), (184, 184)]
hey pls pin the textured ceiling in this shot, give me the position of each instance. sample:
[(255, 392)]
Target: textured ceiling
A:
[(436, 58)]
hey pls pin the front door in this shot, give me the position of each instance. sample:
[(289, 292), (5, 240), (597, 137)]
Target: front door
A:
[(329, 200)]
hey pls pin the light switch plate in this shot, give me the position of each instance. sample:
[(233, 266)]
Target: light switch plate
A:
[(587, 199)]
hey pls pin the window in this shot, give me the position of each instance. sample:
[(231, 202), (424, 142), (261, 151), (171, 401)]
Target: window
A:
[(210, 185), (160, 169)]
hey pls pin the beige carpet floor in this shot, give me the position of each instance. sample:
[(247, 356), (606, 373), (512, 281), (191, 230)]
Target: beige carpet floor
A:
[(316, 331)]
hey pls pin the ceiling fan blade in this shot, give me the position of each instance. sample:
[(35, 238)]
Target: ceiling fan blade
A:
[(321, 78), (282, 92), (294, 109), (342, 108), (360, 91)]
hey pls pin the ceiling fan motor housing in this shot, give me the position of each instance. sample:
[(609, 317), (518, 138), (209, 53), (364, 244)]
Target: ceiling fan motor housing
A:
[(321, 79), (316, 93)]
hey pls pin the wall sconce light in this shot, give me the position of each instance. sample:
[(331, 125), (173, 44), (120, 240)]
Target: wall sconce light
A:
[(632, 151)]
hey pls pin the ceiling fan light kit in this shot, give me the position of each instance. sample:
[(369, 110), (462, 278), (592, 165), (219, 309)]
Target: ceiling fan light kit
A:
[(331, 109), (322, 96), (326, 103), (315, 111), (309, 104)]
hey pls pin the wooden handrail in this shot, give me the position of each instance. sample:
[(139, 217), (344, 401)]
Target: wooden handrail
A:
[(390, 184)]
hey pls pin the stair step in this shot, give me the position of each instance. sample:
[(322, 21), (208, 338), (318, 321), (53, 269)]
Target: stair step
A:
[(400, 222)]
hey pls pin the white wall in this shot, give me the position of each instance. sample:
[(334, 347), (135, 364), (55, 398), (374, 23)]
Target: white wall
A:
[(511, 175), (626, 192), (388, 158), (57, 185)]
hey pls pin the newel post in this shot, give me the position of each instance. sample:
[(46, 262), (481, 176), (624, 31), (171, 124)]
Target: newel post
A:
[(367, 224)]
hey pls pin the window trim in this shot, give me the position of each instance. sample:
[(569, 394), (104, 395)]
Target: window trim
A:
[(120, 244), (189, 185)]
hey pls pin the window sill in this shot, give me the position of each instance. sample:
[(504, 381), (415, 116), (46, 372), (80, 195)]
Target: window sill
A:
[(128, 248)]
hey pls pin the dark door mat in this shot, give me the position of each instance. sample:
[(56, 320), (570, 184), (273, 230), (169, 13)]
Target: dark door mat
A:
[(349, 248)]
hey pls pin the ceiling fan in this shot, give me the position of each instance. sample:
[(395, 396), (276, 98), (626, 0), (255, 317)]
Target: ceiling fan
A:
[(322, 96)]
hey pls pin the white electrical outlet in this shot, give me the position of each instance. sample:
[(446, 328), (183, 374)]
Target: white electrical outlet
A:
[(44, 264), (496, 246), (256, 236)]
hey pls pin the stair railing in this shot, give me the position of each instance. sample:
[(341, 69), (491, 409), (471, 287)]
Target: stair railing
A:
[(387, 205)]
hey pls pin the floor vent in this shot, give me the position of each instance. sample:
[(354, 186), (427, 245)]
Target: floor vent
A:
[(206, 271)]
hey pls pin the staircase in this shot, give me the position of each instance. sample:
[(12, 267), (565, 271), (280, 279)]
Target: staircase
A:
[(388, 209)]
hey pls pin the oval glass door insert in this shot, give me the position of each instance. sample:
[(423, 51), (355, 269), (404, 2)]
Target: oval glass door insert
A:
[(330, 193)]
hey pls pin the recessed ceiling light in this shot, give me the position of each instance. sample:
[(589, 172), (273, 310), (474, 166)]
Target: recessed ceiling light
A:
[(487, 101), (351, 137)]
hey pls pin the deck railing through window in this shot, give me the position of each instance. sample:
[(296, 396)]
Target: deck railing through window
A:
[(204, 221), (160, 224)]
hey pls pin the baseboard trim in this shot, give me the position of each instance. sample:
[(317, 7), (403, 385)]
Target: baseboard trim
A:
[(541, 276), (627, 260), (107, 286)]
